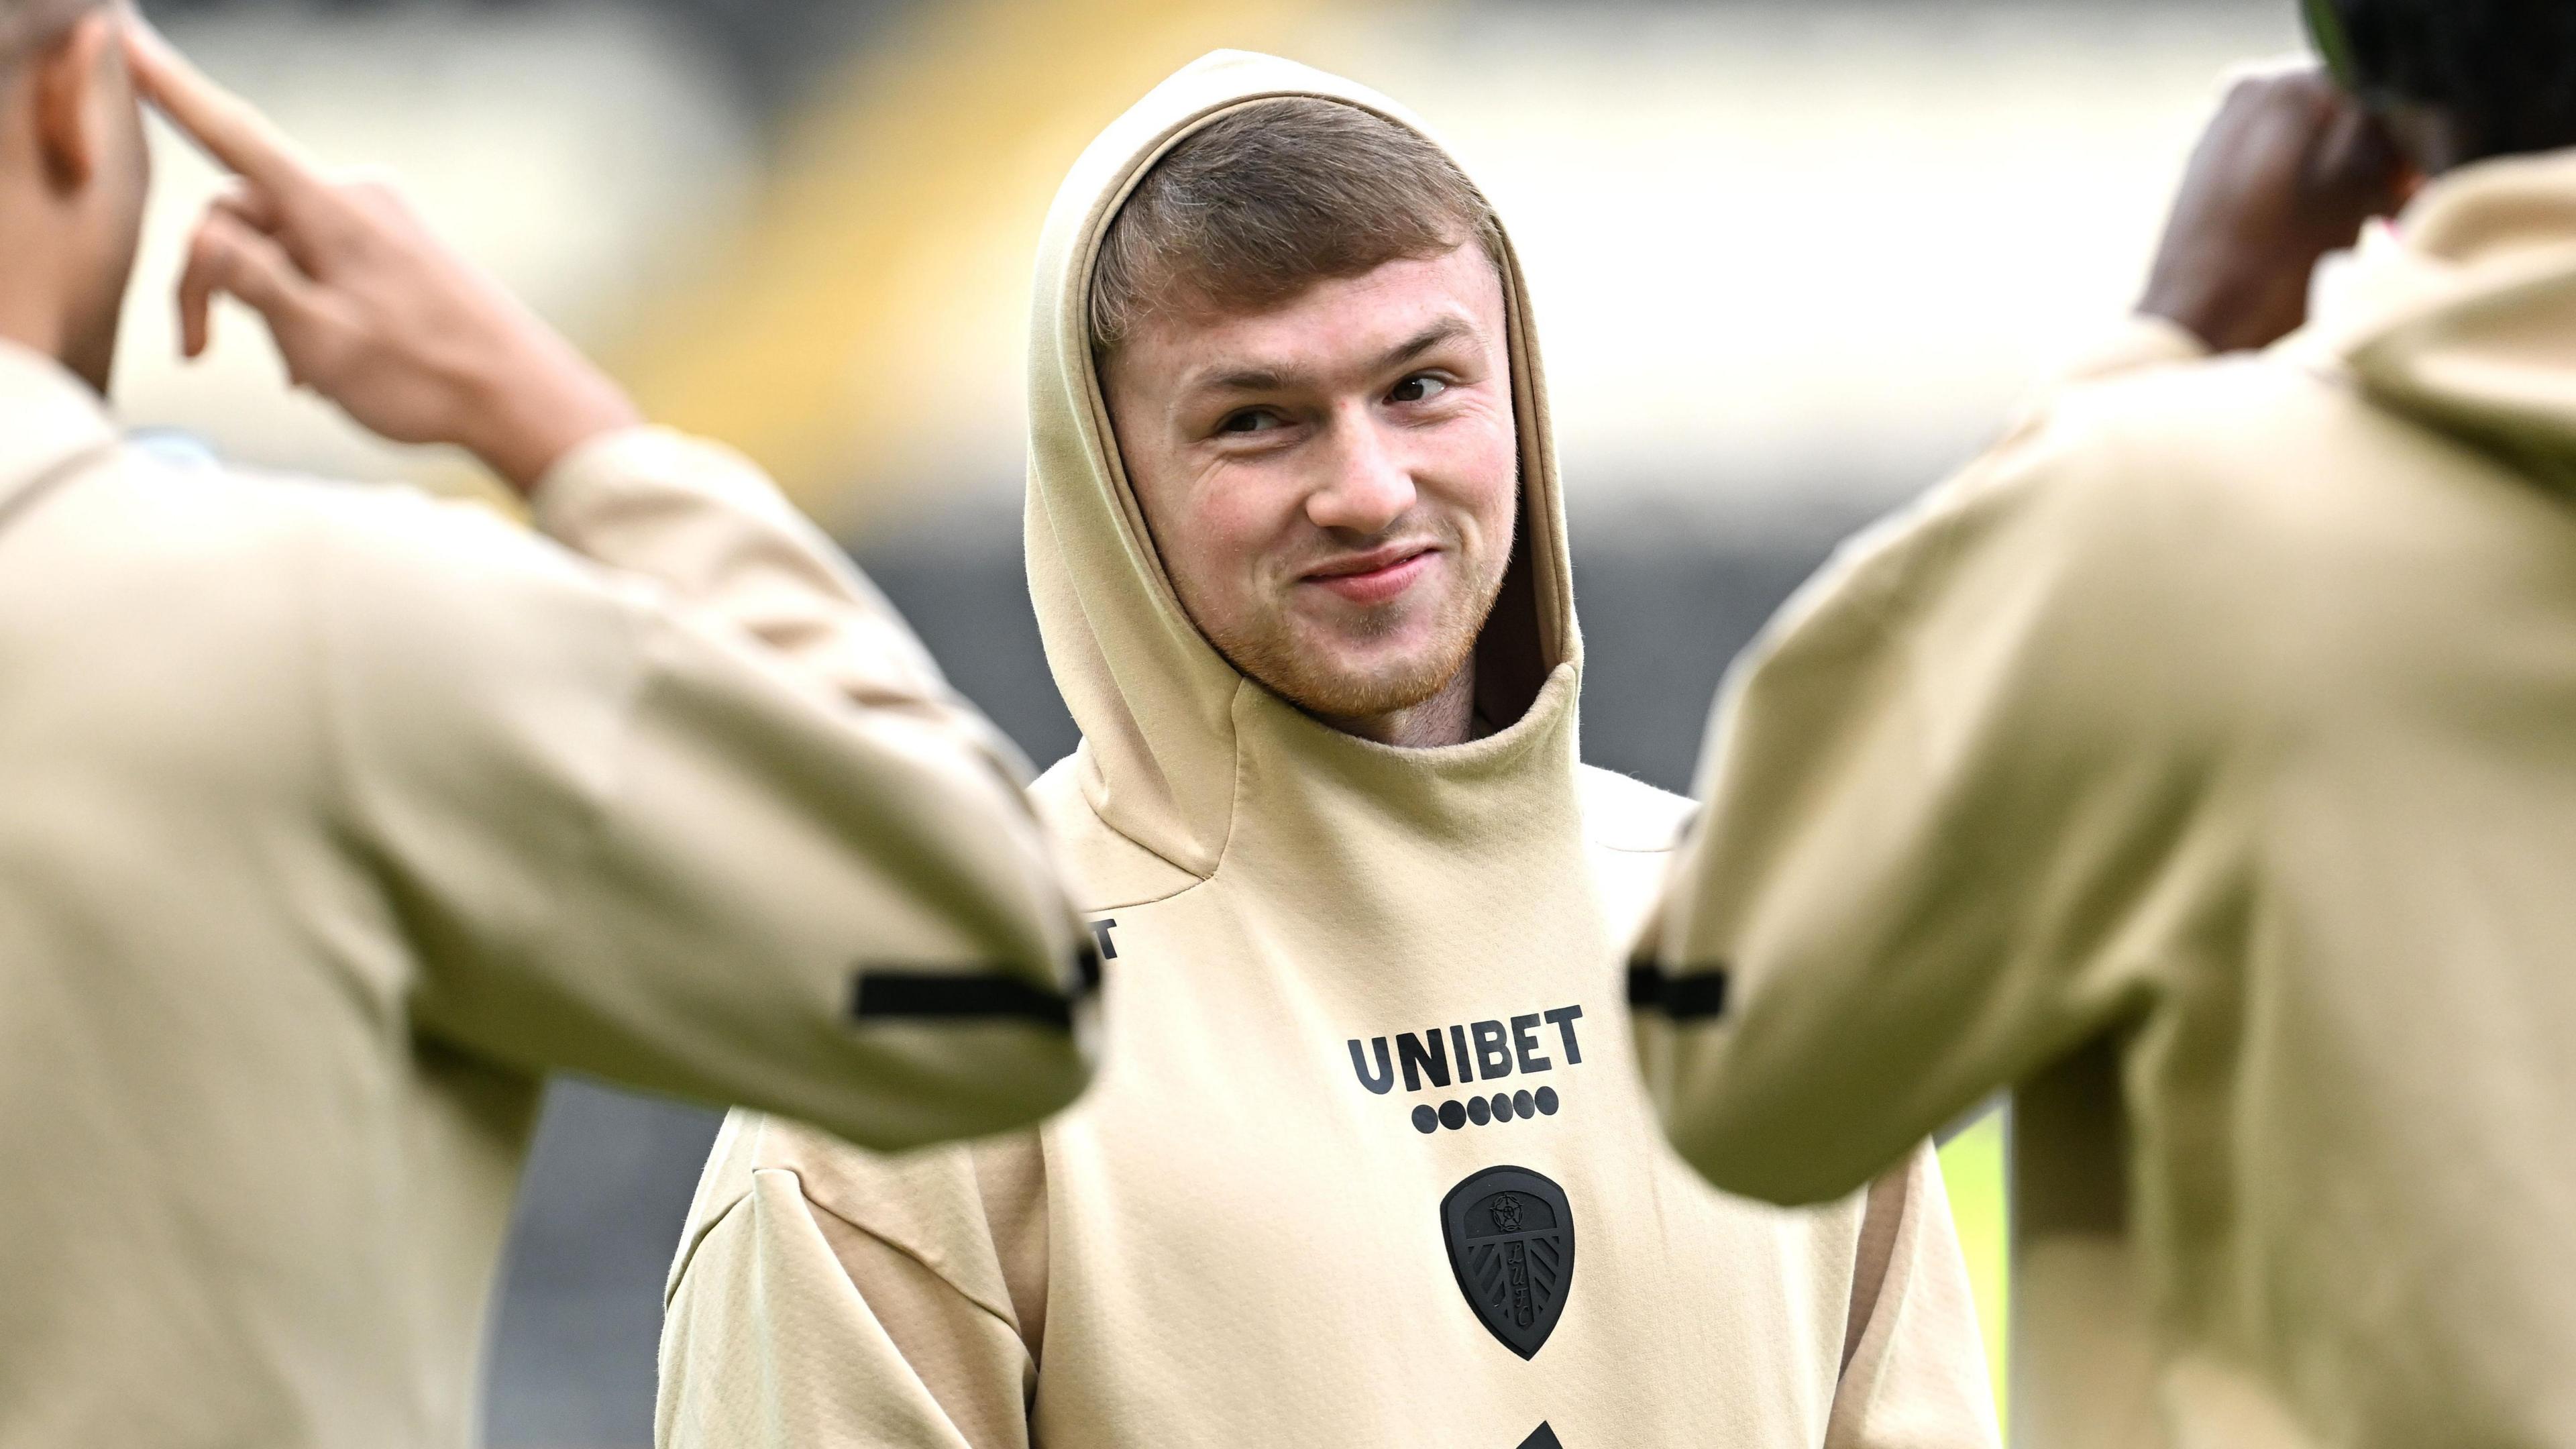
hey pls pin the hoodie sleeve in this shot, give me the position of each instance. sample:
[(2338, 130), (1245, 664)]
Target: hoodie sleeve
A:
[(706, 524), (1914, 1364), (1959, 806), (627, 839), (822, 1299)]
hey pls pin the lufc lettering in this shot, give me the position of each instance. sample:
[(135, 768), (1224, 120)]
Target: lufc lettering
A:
[(1476, 1051)]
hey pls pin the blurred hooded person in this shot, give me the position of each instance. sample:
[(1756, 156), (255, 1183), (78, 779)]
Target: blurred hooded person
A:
[(2204, 760), (332, 819), (1372, 1164)]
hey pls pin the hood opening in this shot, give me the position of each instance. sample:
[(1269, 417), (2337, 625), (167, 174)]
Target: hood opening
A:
[(1511, 654), (1164, 716)]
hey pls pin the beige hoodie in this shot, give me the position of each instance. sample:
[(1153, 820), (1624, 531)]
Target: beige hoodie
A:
[(332, 819), (1366, 1010), (2205, 760)]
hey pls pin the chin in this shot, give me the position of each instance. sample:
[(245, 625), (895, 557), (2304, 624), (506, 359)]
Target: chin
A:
[(1361, 683), (1372, 665)]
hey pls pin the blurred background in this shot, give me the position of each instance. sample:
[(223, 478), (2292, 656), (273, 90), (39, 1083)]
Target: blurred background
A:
[(1794, 260)]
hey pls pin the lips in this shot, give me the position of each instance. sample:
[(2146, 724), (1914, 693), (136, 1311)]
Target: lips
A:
[(1378, 576)]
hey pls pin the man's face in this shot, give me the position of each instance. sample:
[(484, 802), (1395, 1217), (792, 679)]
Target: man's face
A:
[(1332, 483)]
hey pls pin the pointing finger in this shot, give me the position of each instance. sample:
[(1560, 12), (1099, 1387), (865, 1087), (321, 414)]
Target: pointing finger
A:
[(228, 127)]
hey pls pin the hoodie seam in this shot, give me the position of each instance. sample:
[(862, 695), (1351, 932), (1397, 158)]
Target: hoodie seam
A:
[(1234, 786), (1094, 908), (693, 1241), (1009, 1318)]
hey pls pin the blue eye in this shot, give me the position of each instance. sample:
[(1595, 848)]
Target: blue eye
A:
[(1421, 387)]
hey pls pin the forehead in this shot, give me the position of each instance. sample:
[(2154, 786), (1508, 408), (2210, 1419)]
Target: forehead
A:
[(1335, 329)]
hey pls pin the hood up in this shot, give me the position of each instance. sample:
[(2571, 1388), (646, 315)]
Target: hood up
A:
[(2463, 314), (1167, 722)]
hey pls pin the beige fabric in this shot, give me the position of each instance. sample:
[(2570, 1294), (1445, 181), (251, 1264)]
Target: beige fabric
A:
[(331, 819), (2203, 760), (1236, 1238)]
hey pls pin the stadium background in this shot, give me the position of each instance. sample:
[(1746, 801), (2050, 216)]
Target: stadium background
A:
[(1794, 261)]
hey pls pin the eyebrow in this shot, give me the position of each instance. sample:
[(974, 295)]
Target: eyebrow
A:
[(1271, 379)]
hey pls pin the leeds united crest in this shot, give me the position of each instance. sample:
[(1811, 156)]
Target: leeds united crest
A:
[(1511, 1243)]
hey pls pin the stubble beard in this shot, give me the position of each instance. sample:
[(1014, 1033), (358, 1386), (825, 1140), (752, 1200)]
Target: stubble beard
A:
[(1272, 655)]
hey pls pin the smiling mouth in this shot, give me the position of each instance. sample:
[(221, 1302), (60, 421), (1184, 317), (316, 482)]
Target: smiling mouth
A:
[(1375, 578)]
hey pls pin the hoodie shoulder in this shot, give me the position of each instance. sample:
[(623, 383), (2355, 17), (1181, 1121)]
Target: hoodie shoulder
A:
[(1627, 814), (2204, 452), (1104, 870), (929, 1205), (1631, 829)]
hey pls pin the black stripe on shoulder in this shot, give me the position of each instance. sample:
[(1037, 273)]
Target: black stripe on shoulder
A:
[(1696, 995), (883, 994)]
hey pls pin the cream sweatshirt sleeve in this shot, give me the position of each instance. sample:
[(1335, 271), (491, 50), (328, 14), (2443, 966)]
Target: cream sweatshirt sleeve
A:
[(1914, 1365), (706, 524), (1942, 790), (630, 840), (806, 1310), (827, 1299)]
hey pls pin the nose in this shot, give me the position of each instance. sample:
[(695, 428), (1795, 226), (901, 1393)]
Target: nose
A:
[(1369, 486)]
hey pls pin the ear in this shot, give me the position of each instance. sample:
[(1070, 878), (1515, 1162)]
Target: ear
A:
[(75, 81)]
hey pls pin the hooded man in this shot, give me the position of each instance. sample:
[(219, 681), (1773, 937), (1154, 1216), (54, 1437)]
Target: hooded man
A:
[(1372, 1164), (2204, 759), (332, 820)]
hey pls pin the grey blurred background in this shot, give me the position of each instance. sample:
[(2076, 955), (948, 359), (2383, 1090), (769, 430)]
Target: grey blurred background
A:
[(1794, 261)]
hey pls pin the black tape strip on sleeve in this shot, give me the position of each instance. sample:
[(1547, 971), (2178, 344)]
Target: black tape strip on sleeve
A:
[(898, 995), (1687, 996)]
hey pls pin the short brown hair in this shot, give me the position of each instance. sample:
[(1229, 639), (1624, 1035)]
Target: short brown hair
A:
[(1273, 197)]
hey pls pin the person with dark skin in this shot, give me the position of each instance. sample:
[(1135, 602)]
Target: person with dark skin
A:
[(2199, 764)]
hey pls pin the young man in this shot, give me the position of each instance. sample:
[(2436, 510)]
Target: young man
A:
[(1373, 1165), (333, 819), (2204, 759)]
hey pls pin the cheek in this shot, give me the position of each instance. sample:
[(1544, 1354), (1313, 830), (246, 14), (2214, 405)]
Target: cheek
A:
[(1229, 531), (1478, 467)]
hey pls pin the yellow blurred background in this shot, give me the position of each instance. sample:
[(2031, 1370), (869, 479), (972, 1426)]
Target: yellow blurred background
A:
[(1793, 261)]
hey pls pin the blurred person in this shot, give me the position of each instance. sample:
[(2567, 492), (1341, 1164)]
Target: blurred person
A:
[(1372, 1163), (332, 820), (2204, 760)]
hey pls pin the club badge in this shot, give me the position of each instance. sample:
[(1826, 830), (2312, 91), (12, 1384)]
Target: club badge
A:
[(1511, 1243)]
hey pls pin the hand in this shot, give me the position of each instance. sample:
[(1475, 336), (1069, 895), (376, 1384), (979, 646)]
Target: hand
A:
[(2288, 172), (368, 308)]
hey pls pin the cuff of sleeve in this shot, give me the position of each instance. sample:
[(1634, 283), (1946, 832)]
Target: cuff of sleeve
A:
[(584, 489), (2144, 341)]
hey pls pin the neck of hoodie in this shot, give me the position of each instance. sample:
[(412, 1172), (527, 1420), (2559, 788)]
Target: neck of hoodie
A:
[(1446, 718)]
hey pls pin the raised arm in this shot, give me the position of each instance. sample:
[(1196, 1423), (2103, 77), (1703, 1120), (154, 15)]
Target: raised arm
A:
[(1945, 788), (370, 310), (626, 839), (1940, 792), (765, 858)]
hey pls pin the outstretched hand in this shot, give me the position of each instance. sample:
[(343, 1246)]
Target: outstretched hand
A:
[(2288, 172), (370, 309)]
